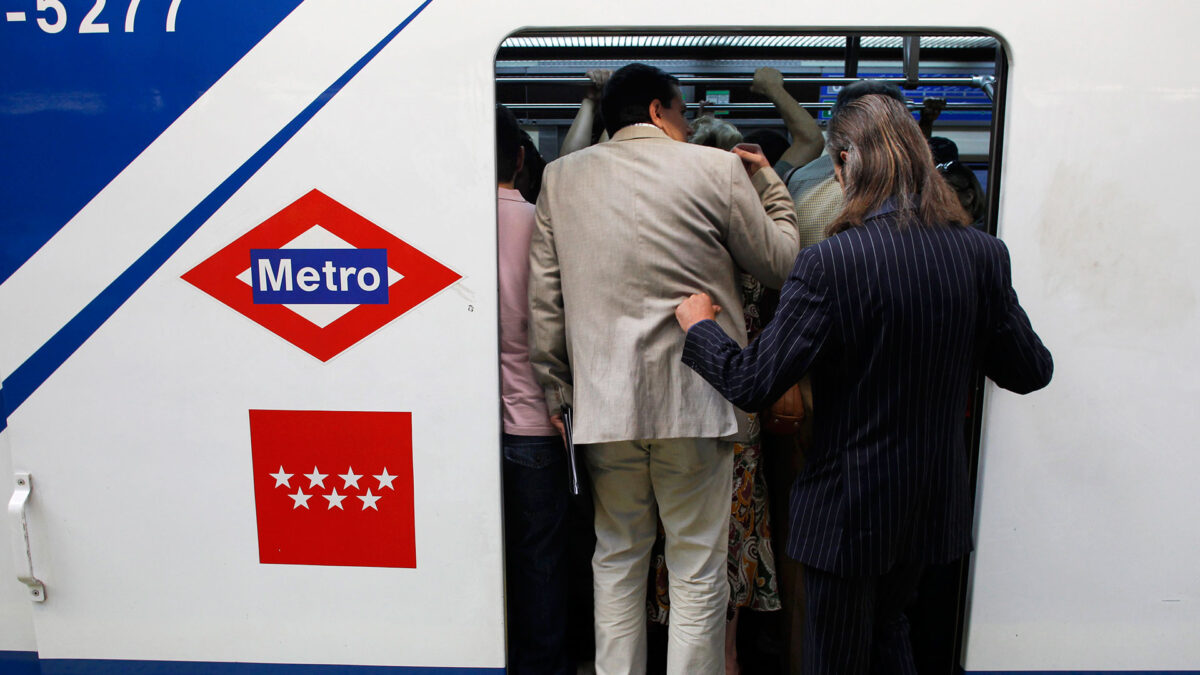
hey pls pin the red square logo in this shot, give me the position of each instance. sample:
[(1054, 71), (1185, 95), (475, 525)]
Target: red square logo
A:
[(334, 488), (318, 224)]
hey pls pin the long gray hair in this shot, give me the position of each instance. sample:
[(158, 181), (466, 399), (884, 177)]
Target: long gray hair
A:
[(887, 158)]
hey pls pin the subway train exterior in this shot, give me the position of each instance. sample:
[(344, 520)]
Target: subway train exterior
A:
[(248, 313)]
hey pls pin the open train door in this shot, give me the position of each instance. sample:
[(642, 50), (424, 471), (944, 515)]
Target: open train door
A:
[(238, 331)]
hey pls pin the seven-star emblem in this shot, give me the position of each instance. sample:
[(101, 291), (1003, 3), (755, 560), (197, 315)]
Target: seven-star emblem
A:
[(385, 480), (300, 498), (316, 478), (335, 500), (369, 500), (326, 525), (350, 477), (282, 478)]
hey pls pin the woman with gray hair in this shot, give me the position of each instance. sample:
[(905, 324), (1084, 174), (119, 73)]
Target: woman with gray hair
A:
[(714, 133)]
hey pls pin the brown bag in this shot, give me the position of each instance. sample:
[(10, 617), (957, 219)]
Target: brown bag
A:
[(785, 416)]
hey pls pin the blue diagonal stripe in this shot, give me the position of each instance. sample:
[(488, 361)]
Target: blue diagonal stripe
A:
[(41, 365)]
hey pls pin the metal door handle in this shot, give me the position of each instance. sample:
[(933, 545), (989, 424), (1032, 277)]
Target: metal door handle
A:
[(16, 511)]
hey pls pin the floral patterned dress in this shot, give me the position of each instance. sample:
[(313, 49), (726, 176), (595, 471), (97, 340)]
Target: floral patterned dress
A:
[(751, 564)]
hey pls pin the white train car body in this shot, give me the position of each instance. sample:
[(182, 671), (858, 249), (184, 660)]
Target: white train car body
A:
[(147, 397)]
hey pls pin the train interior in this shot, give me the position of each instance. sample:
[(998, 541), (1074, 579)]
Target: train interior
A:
[(541, 75)]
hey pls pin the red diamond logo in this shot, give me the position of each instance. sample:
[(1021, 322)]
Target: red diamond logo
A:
[(316, 221)]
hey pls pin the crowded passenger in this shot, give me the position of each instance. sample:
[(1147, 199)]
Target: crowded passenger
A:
[(818, 197), (961, 179), (807, 141), (891, 314), (932, 108), (583, 132), (625, 229), (535, 463), (773, 143), (713, 132), (967, 188), (943, 149), (529, 178), (813, 186), (663, 217)]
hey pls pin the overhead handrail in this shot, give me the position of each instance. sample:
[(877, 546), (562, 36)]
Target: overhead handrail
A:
[(822, 105), (976, 81)]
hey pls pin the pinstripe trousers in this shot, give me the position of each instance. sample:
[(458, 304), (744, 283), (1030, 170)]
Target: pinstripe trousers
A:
[(857, 625), (689, 481)]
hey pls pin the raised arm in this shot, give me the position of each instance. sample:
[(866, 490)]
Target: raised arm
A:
[(753, 377), (547, 327), (579, 136), (931, 109), (762, 236), (807, 141)]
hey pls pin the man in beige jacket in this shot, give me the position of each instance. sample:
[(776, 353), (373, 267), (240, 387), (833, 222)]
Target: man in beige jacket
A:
[(625, 231)]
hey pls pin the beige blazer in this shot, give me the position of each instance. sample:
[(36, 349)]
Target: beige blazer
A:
[(625, 231)]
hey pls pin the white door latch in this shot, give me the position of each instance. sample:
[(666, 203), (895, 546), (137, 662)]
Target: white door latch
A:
[(21, 550)]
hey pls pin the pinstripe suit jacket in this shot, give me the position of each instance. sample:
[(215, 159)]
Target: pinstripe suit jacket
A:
[(891, 321)]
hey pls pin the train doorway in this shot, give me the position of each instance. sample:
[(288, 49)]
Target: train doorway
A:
[(955, 82)]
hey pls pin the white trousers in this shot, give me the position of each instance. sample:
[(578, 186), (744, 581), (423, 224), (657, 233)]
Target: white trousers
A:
[(691, 482)]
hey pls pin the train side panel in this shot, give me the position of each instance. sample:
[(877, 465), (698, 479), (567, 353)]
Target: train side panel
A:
[(142, 440)]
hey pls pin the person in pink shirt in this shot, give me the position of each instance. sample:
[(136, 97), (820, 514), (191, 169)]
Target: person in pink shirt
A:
[(535, 462)]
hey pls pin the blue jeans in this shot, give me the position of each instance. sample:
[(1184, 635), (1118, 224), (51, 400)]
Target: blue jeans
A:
[(535, 537)]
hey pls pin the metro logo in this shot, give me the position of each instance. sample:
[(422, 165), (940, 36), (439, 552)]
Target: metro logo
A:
[(320, 275)]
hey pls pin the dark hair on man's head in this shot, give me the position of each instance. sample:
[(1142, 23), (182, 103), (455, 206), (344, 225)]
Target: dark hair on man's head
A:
[(629, 92), (773, 143), (856, 90), (943, 149), (887, 158), (508, 143)]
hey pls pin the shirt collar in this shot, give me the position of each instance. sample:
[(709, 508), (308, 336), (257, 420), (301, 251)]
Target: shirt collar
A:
[(888, 206), (639, 130), (510, 194)]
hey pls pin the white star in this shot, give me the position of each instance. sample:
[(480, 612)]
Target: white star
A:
[(316, 478), (281, 478), (334, 499), (385, 480), (350, 477), (369, 500), (300, 498)]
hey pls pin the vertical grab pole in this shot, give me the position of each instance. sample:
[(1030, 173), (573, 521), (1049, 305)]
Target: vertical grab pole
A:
[(16, 511), (853, 44), (912, 61)]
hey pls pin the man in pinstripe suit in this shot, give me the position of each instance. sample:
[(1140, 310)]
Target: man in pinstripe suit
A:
[(891, 314)]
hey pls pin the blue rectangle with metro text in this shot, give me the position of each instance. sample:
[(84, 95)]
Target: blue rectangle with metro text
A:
[(319, 276)]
